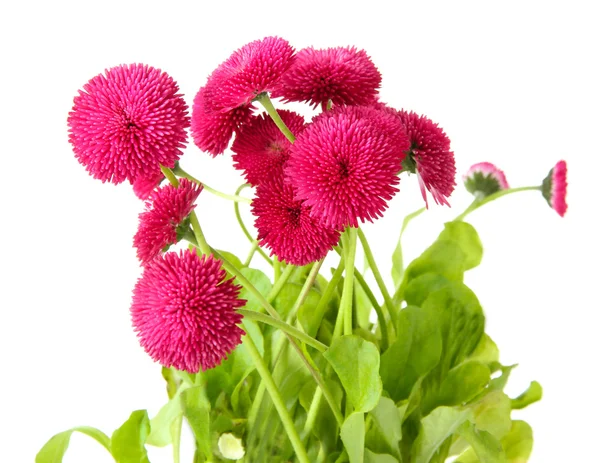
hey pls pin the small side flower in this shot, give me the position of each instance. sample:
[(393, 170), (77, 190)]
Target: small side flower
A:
[(554, 188), (483, 179)]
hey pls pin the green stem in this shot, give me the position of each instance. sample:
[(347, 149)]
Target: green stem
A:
[(202, 244), (251, 253), (238, 216), (177, 438), (285, 327), (346, 302), (284, 415), (373, 265), (170, 176), (276, 269), (280, 283), (477, 203), (264, 100), (380, 315), (311, 416), (182, 173), (308, 284)]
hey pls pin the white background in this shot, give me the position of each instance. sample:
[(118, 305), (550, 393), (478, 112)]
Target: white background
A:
[(513, 83)]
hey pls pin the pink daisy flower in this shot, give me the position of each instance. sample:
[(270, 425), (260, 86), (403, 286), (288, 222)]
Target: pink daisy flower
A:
[(260, 149), (430, 157), (127, 122), (285, 225), (184, 311), (344, 75), (554, 188), (144, 186), (167, 209), (484, 179), (253, 69), (212, 130), (345, 164)]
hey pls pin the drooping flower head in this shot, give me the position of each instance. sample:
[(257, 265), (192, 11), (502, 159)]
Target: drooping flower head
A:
[(344, 75), (184, 311), (430, 156), (253, 69), (212, 130), (554, 188), (285, 224), (127, 122), (261, 149), (484, 178), (144, 186), (345, 164), (167, 209)]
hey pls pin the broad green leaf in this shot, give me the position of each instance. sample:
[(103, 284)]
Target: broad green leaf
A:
[(415, 352), (127, 442), (387, 418), (371, 457), (498, 383), (363, 307), (308, 316), (492, 413), (463, 383), (286, 298), (54, 450), (353, 437), (160, 424), (445, 258), (325, 427), (518, 443), (485, 446), (419, 288), (436, 427), (531, 395), (356, 363), (232, 258), (397, 258), (486, 351), (196, 409), (260, 282), (463, 234)]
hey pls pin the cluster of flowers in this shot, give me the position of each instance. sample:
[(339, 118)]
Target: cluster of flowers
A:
[(313, 179)]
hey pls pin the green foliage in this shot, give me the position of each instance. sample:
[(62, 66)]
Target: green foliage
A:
[(353, 436), (54, 450), (127, 442)]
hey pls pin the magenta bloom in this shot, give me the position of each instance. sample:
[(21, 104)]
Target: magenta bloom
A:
[(345, 164), (261, 149), (144, 186), (167, 209), (344, 75), (127, 122), (212, 130), (253, 69), (183, 311), (285, 225), (430, 156), (484, 179), (554, 188)]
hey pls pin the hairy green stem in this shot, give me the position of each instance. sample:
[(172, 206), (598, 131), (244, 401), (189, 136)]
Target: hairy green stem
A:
[(280, 283), (383, 326), (264, 100), (346, 302), (477, 203), (271, 387), (238, 216), (182, 173)]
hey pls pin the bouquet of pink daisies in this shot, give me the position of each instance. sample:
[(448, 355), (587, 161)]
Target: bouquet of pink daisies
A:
[(307, 362)]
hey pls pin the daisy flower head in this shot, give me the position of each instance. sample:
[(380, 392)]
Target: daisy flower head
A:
[(212, 130), (251, 70), (184, 311), (483, 179), (344, 75), (345, 164), (430, 156), (285, 225), (554, 188), (128, 121), (143, 186), (260, 149), (167, 209)]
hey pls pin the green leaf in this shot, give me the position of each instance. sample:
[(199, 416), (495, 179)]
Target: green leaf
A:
[(54, 450), (463, 383), (232, 258), (446, 258), (196, 409), (487, 448), (386, 417), (492, 413), (356, 363), (518, 443), (531, 395), (419, 288), (463, 234), (415, 352), (308, 316), (160, 425), (353, 437), (371, 457), (397, 259), (127, 442), (486, 351), (260, 281), (436, 427)]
